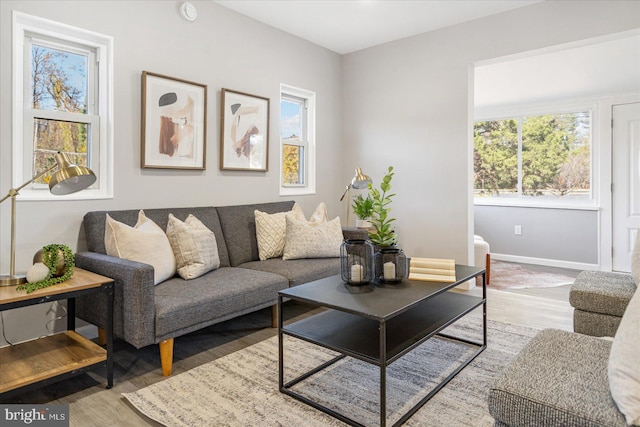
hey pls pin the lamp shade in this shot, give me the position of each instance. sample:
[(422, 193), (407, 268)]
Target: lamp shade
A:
[(69, 178), (360, 180)]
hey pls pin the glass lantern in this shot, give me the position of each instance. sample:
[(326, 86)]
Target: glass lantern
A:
[(356, 261), (390, 265)]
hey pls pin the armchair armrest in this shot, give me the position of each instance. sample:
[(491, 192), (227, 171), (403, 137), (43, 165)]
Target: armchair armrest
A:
[(134, 297)]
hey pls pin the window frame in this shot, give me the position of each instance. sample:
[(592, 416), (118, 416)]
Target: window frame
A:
[(520, 112), (307, 140), (28, 29)]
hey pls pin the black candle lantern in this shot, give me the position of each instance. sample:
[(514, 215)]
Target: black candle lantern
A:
[(390, 265), (356, 261)]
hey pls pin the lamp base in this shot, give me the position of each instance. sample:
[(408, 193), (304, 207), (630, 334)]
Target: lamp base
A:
[(15, 280)]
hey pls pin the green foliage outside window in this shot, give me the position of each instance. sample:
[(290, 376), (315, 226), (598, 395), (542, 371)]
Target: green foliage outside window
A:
[(555, 156)]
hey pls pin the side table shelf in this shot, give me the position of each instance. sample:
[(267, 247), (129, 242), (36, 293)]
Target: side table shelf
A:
[(62, 355)]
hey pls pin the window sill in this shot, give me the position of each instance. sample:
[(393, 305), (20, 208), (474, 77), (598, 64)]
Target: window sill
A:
[(514, 203)]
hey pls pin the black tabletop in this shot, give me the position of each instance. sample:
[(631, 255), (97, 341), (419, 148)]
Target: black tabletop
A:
[(376, 301)]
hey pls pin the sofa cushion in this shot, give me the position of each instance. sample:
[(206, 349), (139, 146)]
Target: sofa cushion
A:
[(558, 379), (144, 242), (193, 245), (602, 292), (214, 297), (624, 363), (94, 225), (304, 240), (239, 229), (298, 271), (635, 260)]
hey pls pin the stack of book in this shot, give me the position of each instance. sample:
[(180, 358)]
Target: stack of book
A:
[(432, 269)]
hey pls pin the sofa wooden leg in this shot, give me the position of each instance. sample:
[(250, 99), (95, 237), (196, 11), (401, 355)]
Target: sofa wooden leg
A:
[(166, 356), (488, 268), (102, 336), (274, 316)]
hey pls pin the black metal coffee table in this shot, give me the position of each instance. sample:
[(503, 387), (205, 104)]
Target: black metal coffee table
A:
[(378, 324)]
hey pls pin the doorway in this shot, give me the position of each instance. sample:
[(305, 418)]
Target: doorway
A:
[(625, 183)]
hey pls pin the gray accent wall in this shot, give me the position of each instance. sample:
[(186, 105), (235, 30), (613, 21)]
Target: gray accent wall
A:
[(547, 234), (409, 103)]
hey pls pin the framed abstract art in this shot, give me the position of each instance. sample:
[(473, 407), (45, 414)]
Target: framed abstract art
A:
[(174, 129), (244, 132)]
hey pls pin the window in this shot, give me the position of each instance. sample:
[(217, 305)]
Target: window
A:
[(541, 158), (297, 137), (62, 102)]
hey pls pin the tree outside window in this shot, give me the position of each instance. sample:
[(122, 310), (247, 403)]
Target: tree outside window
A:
[(541, 156), (58, 84)]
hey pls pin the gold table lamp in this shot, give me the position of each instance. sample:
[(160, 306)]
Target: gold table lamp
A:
[(68, 179), (359, 181)]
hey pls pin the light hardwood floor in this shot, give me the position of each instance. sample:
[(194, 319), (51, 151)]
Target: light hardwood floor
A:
[(92, 405)]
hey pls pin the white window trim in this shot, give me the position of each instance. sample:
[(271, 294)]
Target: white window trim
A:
[(509, 112), (24, 24), (310, 152)]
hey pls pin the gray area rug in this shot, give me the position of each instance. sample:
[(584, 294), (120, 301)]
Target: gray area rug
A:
[(506, 275), (241, 389)]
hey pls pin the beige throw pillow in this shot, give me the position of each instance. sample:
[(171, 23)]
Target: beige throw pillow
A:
[(270, 232), (624, 363), (145, 242), (304, 240), (193, 245)]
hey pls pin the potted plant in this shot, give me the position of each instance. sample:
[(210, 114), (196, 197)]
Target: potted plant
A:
[(382, 235), (390, 263), (363, 209)]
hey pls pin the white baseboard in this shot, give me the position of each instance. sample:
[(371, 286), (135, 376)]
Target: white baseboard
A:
[(543, 261)]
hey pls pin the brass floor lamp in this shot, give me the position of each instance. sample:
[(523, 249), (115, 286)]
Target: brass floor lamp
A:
[(359, 181), (68, 179)]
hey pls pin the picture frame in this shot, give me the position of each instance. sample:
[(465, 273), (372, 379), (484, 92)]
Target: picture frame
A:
[(173, 123), (244, 132)]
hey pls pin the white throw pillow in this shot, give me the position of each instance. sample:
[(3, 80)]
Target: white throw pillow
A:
[(145, 242), (271, 228), (624, 363), (193, 245), (304, 240), (270, 232), (318, 216), (635, 260)]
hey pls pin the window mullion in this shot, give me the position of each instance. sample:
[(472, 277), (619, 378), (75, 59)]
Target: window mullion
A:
[(520, 171)]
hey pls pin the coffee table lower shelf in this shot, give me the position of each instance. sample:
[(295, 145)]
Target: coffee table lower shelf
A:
[(380, 343)]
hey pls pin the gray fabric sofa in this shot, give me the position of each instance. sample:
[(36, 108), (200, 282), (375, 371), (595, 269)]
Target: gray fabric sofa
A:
[(560, 378), (145, 314)]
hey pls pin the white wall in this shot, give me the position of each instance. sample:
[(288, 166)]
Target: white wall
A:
[(409, 104), (220, 49)]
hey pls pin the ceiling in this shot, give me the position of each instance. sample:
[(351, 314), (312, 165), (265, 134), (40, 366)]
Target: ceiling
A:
[(345, 26), (594, 68)]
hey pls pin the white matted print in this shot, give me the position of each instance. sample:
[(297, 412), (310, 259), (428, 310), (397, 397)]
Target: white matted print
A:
[(174, 113), (244, 134)]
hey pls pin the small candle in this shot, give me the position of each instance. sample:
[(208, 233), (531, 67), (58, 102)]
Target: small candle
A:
[(389, 271), (356, 273)]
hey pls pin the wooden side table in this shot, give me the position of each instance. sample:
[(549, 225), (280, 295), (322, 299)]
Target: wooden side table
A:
[(55, 357)]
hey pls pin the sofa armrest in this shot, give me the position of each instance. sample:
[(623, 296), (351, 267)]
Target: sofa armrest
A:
[(134, 297)]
